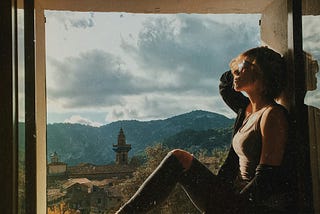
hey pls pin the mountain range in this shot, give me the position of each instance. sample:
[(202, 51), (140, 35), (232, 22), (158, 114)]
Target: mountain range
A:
[(76, 143)]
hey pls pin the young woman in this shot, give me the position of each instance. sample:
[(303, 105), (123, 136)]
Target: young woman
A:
[(253, 178)]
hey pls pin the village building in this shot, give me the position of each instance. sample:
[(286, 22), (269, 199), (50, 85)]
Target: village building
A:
[(121, 149), (59, 170), (98, 172), (87, 187), (56, 170), (86, 196)]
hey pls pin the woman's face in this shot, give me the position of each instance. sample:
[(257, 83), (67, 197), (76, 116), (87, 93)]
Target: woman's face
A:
[(246, 74)]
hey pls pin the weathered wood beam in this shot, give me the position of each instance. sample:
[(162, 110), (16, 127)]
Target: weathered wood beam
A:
[(159, 6)]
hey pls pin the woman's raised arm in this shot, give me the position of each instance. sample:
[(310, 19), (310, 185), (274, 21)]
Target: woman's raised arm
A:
[(235, 100)]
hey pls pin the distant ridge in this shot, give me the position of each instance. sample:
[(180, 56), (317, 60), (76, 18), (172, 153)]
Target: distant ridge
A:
[(77, 143)]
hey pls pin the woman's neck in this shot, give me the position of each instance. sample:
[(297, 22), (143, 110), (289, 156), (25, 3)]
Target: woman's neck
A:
[(258, 102)]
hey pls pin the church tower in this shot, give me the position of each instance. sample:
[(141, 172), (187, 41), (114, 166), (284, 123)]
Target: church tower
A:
[(121, 149), (54, 158)]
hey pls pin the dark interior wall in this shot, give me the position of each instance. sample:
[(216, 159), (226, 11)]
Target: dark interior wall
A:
[(8, 127)]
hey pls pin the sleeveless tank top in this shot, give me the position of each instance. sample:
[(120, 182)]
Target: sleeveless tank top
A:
[(247, 143)]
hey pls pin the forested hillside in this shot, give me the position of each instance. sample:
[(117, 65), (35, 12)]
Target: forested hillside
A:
[(77, 143)]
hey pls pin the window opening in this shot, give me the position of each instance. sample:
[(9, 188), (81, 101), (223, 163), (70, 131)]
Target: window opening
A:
[(108, 72)]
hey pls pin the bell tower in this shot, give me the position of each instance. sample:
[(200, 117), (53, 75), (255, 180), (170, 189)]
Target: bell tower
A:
[(121, 149), (54, 158)]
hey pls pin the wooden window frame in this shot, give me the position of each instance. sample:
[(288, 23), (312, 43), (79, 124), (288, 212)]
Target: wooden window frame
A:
[(35, 103)]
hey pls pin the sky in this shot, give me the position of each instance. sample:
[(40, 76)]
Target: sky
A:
[(104, 67)]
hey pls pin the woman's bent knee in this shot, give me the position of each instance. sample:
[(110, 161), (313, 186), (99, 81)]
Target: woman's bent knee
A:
[(184, 157)]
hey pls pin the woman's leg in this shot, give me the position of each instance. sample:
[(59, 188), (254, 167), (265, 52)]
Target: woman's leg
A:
[(207, 192), (197, 182), (159, 184), (205, 189)]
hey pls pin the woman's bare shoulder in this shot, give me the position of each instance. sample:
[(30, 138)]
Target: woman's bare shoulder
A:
[(274, 119), (275, 110)]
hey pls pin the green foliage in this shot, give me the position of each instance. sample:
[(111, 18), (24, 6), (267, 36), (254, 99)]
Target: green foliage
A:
[(213, 160), (77, 143), (136, 161), (204, 140)]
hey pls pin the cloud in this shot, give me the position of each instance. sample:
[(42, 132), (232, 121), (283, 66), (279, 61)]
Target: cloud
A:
[(172, 66), (94, 78), (82, 23), (122, 114), (313, 99), (161, 106), (311, 31), (81, 120), (190, 50), (73, 20)]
